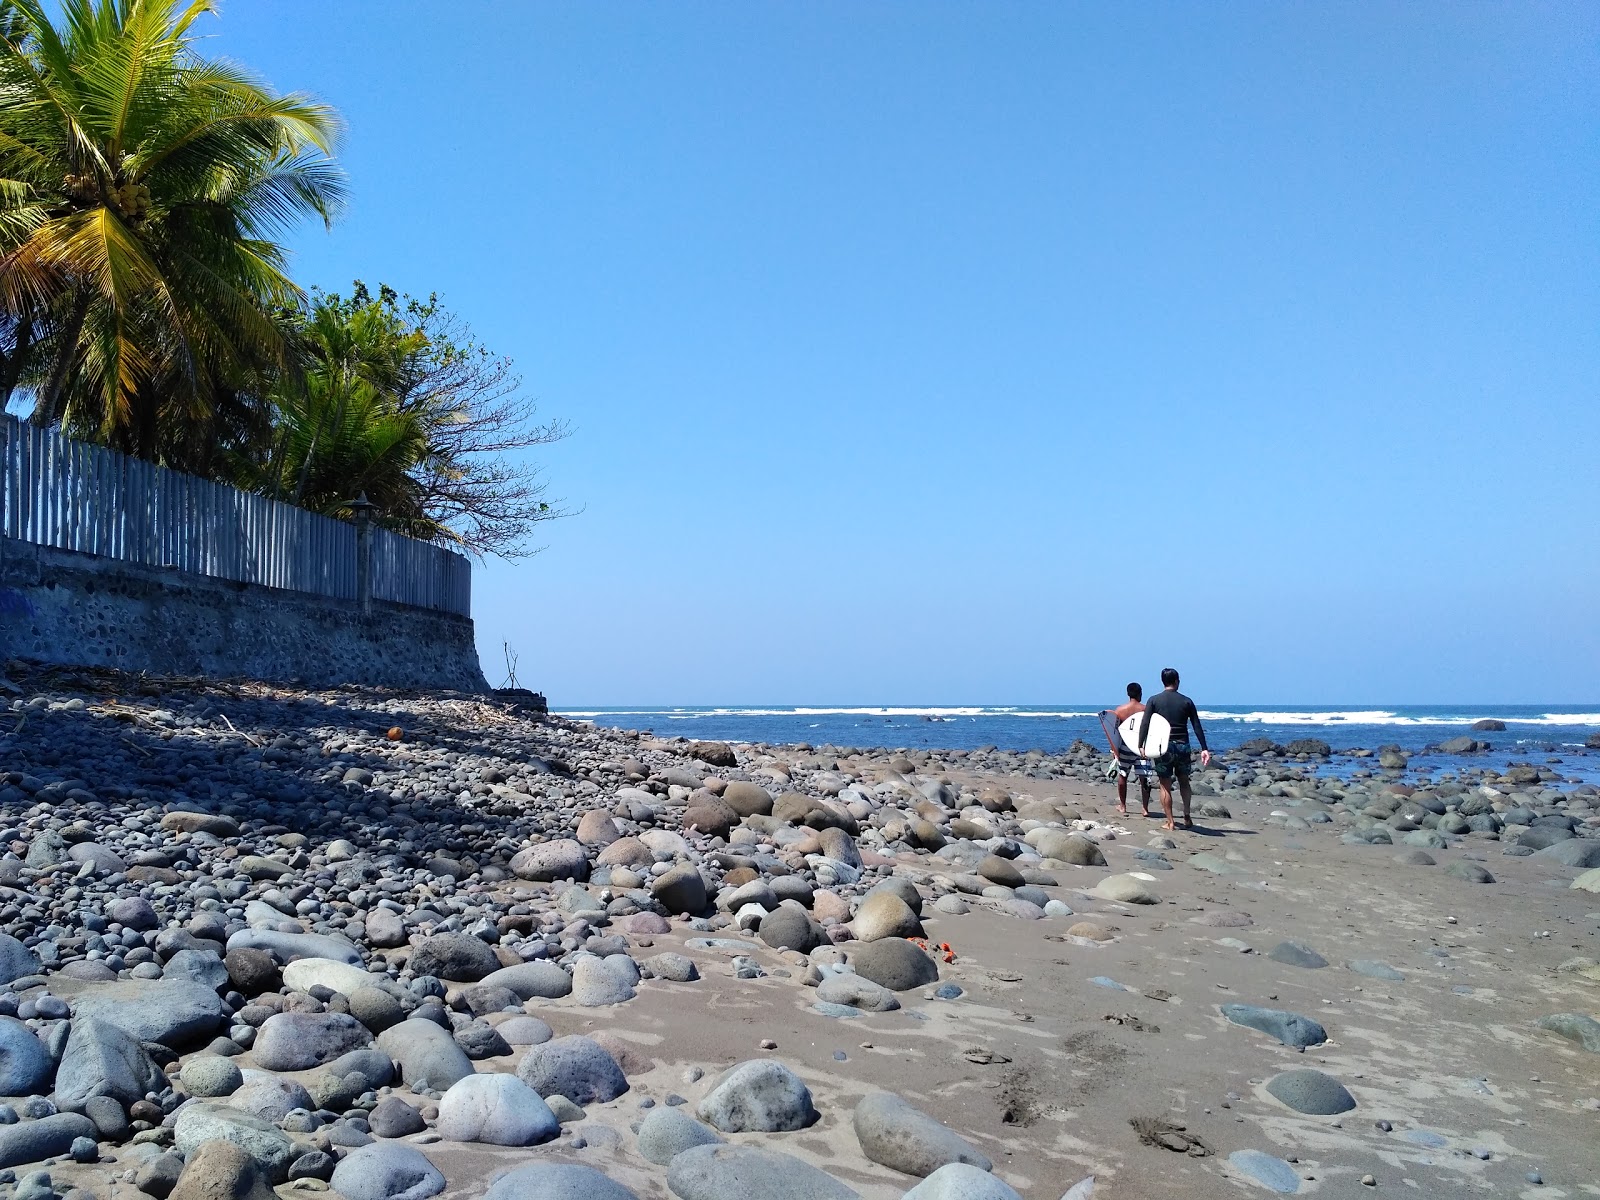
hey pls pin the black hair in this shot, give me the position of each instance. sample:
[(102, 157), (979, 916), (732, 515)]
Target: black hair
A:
[(1135, 692), (1169, 677)]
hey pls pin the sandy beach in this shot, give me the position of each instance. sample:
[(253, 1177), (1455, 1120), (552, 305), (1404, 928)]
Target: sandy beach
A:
[(1074, 1028)]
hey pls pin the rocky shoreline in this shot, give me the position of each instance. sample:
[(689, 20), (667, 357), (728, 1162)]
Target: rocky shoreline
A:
[(402, 945)]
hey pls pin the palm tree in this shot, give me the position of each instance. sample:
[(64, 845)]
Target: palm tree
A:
[(141, 190)]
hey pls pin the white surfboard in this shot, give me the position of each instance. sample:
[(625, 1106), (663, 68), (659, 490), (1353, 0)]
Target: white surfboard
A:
[(1155, 742)]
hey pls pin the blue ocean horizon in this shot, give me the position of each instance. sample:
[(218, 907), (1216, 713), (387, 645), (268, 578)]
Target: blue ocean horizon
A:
[(1534, 732)]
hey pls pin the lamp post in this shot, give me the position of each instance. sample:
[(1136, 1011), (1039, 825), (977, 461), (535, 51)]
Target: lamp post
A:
[(362, 507)]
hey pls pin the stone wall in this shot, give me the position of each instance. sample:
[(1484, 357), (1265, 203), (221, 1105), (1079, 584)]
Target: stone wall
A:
[(59, 606)]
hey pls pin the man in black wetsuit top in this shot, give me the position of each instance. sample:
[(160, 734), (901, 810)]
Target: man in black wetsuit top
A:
[(1179, 711)]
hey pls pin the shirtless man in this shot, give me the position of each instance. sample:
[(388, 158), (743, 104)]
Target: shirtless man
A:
[(1179, 711), (1130, 762)]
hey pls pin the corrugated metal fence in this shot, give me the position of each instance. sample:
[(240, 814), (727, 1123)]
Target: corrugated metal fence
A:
[(74, 496)]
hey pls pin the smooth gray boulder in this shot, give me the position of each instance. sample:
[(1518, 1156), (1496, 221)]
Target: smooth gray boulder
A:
[(1311, 1092), (103, 1060), (790, 927), (32, 1141), (454, 956), (286, 947), (549, 861), (667, 1132), (387, 1171), (25, 1065), (759, 1096), (595, 985), (721, 1172), (204, 967), (174, 1012), (533, 980), (894, 963), (499, 1110), (202, 1121), (16, 960), (576, 1067), (1297, 954), (558, 1181), (1289, 1028), (1583, 853), (298, 1041), (270, 1098), (426, 1054), (959, 1181), (1575, 1027), (858, 992), (894, 1134), (1470, 872)]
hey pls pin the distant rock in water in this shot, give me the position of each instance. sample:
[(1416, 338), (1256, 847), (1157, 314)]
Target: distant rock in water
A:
[(1489, 725)]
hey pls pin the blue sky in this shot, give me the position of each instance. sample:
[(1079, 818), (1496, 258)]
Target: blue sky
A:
[(998, 353)]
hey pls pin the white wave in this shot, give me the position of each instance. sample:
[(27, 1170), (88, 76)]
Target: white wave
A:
[(685, 714), (1385, 717)]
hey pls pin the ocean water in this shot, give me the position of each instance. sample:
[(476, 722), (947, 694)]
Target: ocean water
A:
[(1534, 733)]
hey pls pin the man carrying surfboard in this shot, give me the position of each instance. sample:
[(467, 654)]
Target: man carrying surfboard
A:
[(1176, 712), (1127, 760)]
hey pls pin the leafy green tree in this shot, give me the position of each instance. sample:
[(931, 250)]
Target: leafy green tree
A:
[(142, 190), (393, 398)]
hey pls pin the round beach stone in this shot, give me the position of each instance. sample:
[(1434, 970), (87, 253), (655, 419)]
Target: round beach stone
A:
[(884, 914), (1471, 872), (1268, 1170), (387, 1171), (524, 1031), (221, 1169), (546, 862), (594, 984), (576, 1067), (1070, 848), (856, 991), (211, 1075), (269, 1097), (558, 1181), (392, 1117), (203, 1121), (1125, 889), (747, 799), (298, 1041), (34, 1141), (533, 980), (428, 1057), (962, 1181), (102, 1060), (1289, 1028), (173, 1012), (1311, 1092), (1297, 954), (454, 956), (790, 927), (306, 973), (500, 1110), (721, 1172), (896, 1135), (681, 890), (25, 1064), (759, 1096), (1589, 881), (894, 963), (667, 1132)]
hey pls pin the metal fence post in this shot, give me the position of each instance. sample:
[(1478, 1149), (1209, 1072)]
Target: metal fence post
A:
[(363, 510)]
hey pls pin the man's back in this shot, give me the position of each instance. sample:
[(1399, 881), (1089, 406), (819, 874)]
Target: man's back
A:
[(1123, 712), (1178, 710)]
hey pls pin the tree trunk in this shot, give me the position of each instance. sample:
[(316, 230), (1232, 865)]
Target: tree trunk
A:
[(50, 410)]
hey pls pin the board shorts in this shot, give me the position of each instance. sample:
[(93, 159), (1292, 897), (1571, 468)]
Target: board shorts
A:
[(1132, 765), (1174, 762)]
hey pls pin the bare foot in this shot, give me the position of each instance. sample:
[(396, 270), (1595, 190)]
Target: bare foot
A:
[(1171, 826), (1123, 809)]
